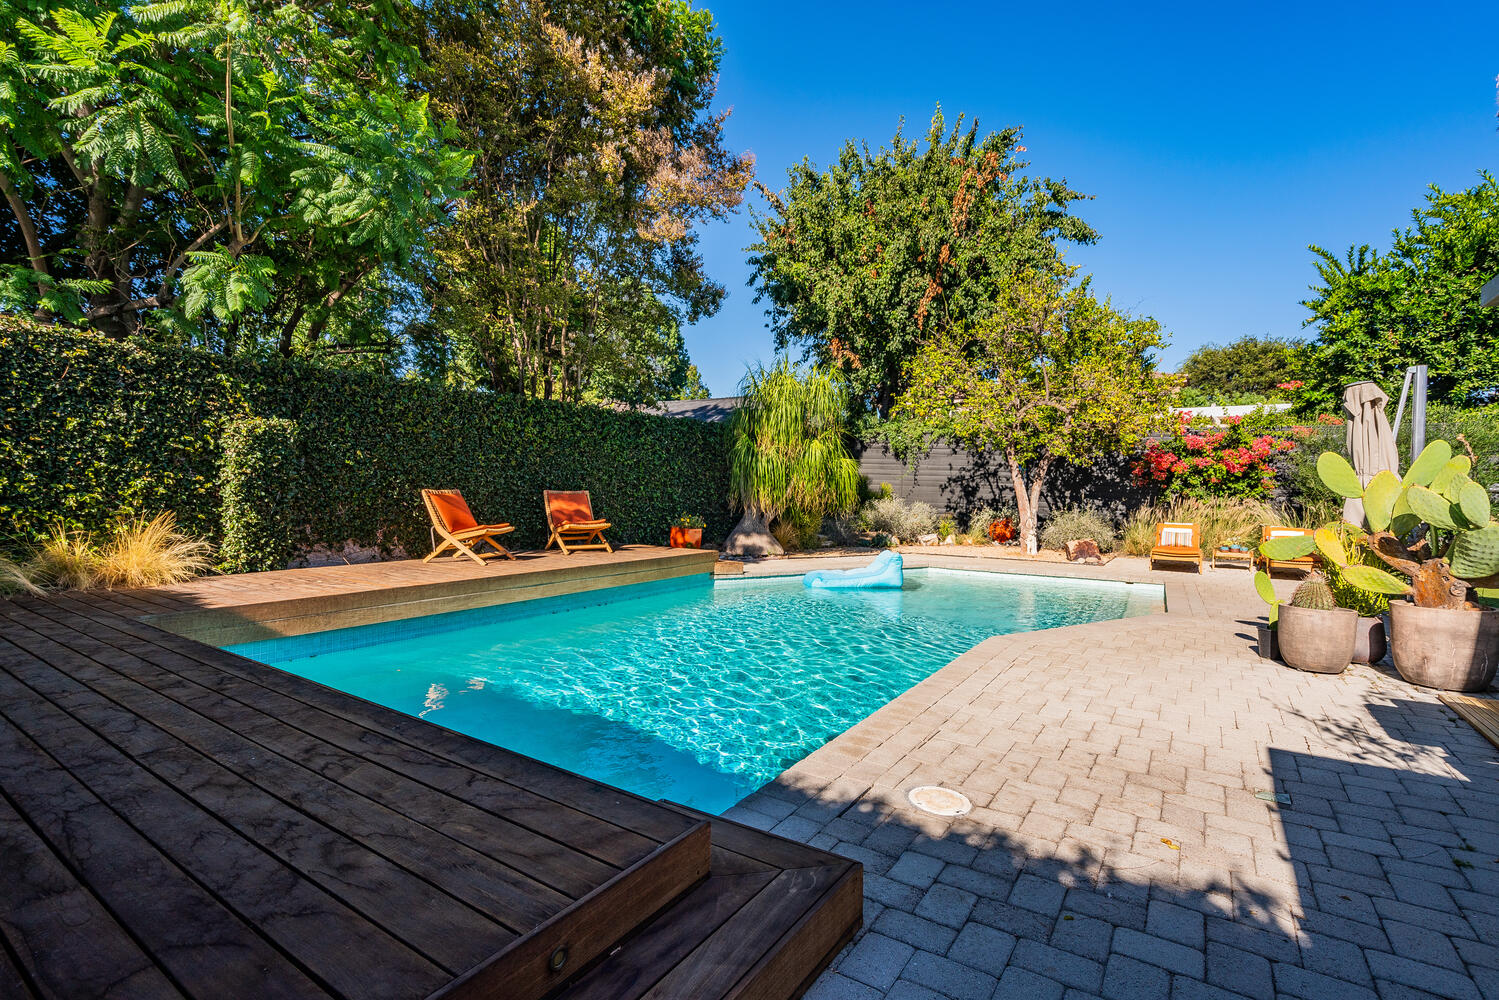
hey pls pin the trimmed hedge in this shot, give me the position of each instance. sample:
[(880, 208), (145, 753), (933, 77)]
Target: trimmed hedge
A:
[(90, 428)]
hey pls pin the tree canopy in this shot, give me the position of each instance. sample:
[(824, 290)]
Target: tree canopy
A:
[(1378, 313), (488, 192), (863, 262), (1052, 375), (1246, 370)]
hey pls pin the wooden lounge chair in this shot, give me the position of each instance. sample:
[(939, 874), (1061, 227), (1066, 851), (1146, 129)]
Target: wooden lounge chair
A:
[(1177, 541), (571, 521), (1305, 563), (452, 520)]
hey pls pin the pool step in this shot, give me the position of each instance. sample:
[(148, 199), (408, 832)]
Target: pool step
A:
[(767, 920), (534, 964)]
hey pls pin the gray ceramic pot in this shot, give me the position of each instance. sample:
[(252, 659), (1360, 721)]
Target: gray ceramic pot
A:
[(1445, 649), (1369, 644), (1319, 641)]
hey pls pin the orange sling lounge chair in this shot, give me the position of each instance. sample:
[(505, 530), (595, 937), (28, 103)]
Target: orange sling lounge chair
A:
[(452, 519), (1177, 541), (1304, 563), (571, 521)]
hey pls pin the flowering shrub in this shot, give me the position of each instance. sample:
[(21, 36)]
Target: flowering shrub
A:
[(1229, 461)]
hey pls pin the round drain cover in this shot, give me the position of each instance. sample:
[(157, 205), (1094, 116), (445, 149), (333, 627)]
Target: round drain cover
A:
[(939, 801)]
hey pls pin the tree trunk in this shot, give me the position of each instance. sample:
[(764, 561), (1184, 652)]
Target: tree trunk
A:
[(1025, 510), (752, 537)]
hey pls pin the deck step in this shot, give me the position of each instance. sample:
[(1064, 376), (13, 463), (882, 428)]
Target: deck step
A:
[(538, 962), (768, 919)]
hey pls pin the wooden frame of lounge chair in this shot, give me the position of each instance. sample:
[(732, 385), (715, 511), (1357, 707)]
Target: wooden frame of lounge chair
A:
[(569, 531), (1177, 553), (1305, 563), (465, 539)]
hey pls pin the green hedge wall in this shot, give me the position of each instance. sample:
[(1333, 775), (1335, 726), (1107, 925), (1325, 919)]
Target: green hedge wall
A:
[(90, 428)]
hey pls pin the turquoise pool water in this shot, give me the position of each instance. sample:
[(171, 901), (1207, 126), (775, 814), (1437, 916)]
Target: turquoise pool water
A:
[(694, 691)]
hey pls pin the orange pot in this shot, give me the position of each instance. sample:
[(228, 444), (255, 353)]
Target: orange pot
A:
[(686, 538)]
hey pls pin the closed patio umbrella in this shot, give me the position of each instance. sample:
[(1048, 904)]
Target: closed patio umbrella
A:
[(1371, 443)]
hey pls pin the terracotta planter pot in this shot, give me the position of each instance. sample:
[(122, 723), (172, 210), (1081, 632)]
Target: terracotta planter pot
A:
[(686, 538), (1318, 641), (1442, 648), (1369, 644)]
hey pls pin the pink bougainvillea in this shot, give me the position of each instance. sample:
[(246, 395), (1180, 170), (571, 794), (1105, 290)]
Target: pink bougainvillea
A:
[(1230, 461)]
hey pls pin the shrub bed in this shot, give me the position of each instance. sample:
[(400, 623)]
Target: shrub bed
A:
[(90, 428)]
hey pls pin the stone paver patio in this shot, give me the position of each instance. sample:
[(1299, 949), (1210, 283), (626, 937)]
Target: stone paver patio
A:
[(1157, 813)]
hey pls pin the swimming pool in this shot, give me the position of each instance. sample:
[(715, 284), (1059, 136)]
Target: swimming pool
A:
[(690, 690)]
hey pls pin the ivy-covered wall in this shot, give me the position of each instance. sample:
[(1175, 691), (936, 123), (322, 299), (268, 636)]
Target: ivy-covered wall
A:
[(90, 428)]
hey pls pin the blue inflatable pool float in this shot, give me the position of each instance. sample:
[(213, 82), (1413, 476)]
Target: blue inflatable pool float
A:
[(885, 572)]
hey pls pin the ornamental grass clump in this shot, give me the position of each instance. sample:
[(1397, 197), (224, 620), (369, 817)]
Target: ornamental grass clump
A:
[(1075, 523), (136, 552)]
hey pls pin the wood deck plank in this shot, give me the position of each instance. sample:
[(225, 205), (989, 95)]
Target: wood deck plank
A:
[(320, 933), (626, 810), (555, 809), (557, 865), (454, 936), (41, 895), (202, 946), (514, 898)]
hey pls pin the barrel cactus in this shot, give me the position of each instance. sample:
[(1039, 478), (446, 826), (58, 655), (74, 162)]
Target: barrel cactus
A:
[(1314, 594)]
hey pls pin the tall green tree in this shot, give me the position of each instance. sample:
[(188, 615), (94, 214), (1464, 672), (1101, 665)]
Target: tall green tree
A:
[(571, 263), (1052, 375), (210, 170), (1249, 366), (1378, 313), (863, 262), (787, 456)]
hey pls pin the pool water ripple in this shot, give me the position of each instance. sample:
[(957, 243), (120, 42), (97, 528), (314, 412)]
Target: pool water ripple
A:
[(698, 694)]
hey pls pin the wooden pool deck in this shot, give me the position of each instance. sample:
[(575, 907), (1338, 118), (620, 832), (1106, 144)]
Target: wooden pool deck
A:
[(178, 821)]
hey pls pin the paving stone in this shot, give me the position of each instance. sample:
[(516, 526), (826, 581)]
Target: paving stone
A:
[(1053, 963), (946, 904), (1086, 936), (1292, 980), (836, 986), (1022, 984), (876, 960), (1244, 971), (1432, 978), (913, 868), (915, 931), (1038, 894), (904, 989), (1422, 944), (983, 948), (1175, 923), (951, 979), (1159, 951), (1184, 988), (1126, 978)]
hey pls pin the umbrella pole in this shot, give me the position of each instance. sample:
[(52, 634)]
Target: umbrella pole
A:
[(1418, 412)]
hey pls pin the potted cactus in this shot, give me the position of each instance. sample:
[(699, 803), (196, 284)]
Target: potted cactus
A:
[(1313, 633), (687, 532), (1434, 528)]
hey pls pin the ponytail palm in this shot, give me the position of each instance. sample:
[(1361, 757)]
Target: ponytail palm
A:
[(787, 457)]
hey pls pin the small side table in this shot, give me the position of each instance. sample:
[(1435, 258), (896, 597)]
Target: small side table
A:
[(1233, 557)]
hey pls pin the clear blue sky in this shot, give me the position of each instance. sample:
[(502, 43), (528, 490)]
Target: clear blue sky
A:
[(1219, 140)]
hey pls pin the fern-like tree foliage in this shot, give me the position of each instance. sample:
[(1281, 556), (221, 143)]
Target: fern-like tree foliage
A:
[(1053, 375), (787, 455), (211, 171)]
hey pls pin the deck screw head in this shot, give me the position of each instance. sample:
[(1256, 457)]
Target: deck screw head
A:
[(558, 959)]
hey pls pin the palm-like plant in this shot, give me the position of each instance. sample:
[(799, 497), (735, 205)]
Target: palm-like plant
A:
[(787, 458)]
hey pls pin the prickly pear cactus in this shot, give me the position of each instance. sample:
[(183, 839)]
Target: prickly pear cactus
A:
[(1314, 594), (1475, 554)]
